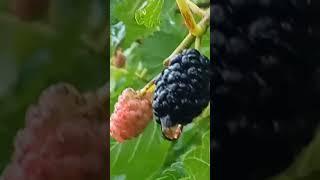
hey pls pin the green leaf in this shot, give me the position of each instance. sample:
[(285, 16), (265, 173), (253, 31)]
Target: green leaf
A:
[(205, 44), (149, 13), (124, 10), (309, 160), (174, 171), (197, 160), (193, 164), (191, 141), (139, 158), (161, 45), (118, 32)]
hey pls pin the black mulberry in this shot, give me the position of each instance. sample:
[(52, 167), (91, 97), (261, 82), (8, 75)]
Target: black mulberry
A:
[(182, 91)]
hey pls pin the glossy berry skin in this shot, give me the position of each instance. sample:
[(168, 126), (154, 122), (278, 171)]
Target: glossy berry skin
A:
[(182, 90)]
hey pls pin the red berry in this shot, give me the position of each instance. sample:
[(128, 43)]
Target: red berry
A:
[(131, 116), (119, 60)]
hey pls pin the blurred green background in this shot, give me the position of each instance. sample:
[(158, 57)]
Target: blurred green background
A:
[(43, 42)]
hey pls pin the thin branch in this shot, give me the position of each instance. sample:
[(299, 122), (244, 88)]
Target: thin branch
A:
[(196, 9), (193, 27), (189, 39)]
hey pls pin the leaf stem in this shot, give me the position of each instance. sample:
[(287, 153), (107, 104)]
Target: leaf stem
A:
[(193, 27), (149, 87), (197, 43), (195, 9), (189, 39), (124, 71)]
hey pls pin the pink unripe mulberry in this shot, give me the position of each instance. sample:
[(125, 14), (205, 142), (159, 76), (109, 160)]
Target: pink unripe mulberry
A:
[(64, 138), (131, 115)]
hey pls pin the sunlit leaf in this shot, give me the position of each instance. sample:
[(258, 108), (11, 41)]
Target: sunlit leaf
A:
[(149, 13)]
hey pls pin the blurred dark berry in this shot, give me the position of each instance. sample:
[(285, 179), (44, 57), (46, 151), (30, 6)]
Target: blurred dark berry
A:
[(264, 93)]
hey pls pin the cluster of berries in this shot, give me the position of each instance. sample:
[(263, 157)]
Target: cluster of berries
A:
[(182, 92)]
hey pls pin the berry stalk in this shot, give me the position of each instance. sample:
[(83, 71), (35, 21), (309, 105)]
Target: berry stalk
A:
[(149, 87), (193, 27), (196, 9), (189, 39), (197, 43)]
